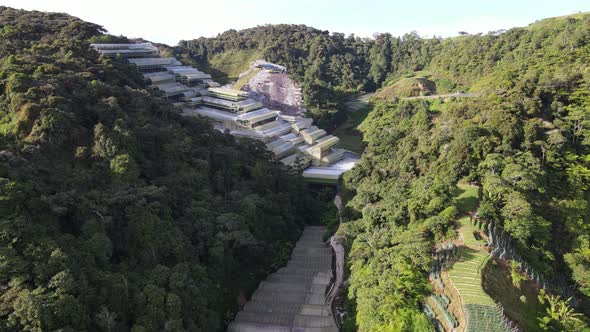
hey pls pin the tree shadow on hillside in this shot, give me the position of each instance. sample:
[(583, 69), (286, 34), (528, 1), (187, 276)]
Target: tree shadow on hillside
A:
[(464, 200)]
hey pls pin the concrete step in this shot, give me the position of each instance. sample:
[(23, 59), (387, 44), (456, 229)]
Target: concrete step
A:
[(258, 327), (289, 270), (265, 306), (310, 245), (312, 251), (265, 318), (280, 297), (310, 264), (293, 298), (288, 308), (284, 287), (312, 321), (290, 287), (313, 258)]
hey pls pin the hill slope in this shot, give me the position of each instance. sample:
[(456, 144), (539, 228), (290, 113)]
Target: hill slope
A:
[(525, 140), (116, 213), (407, 87), (331, 67)]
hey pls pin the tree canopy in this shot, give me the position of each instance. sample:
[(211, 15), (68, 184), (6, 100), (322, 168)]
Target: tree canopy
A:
[(117, 213)]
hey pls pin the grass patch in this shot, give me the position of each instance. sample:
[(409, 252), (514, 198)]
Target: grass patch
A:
[(471, 234), (407, 87), (351, 137), (230, 64), (466, 276), (466, 197), (497, 282), (242, 81)]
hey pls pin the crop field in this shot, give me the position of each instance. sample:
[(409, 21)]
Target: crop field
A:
[(471, 237), (482, 315), (466, 276)]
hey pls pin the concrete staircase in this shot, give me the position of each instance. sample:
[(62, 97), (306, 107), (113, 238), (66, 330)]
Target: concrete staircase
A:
[(293, 299)]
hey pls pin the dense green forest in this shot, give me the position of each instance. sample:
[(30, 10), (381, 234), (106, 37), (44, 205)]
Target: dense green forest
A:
[(117, 214), (329, 66), (525, 140)]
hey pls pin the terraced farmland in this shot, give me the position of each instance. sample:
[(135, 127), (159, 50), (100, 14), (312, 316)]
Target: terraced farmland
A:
[(466, 276), (469, 233), (481, 312)]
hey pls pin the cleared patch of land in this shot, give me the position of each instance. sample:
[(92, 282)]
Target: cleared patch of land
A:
[(447, 95), (466, 197), (228, 65), (350, 135), (481, 312), (245, 78), (466, 276), (407, 87), (276, 91)]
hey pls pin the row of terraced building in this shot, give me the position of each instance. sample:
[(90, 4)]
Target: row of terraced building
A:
[(293, 140)]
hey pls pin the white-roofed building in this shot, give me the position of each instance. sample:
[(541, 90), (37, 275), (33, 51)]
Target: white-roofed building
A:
[(150, 65), (139, 50)]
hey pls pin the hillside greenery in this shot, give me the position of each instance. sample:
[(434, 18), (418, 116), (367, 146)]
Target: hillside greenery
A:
[(329, 67), (116, 213), (525, 140)]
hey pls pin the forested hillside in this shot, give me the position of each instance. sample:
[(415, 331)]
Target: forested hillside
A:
[(331, 66), (525, 140), (117, 214)]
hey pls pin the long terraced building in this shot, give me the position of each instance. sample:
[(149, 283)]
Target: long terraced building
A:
[(294, 141), (293, 299)]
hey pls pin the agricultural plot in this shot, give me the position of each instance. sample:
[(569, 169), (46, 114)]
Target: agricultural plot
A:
[(471, 233), (485, 318), (441, 303), (481, 312), (466, 197), (466, 276)]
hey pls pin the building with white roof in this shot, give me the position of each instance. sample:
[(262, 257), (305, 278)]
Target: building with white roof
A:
[(140, 50)]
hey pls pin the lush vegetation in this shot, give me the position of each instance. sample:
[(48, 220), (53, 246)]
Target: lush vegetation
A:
[(408, 87), (349, 133), (228, 66), (525, 140), (330, 67), (116, 213), (119, 214), (520, 301)]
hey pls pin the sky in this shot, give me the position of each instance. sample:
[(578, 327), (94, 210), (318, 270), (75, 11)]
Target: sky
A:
[(170, 21)]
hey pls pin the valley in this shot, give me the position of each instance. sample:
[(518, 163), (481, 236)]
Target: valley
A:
[(287, 178)]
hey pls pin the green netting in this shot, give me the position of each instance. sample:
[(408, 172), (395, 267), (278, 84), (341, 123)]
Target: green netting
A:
[(485, 318)]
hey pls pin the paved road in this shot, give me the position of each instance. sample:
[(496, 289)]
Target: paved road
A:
[(449, 95)]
